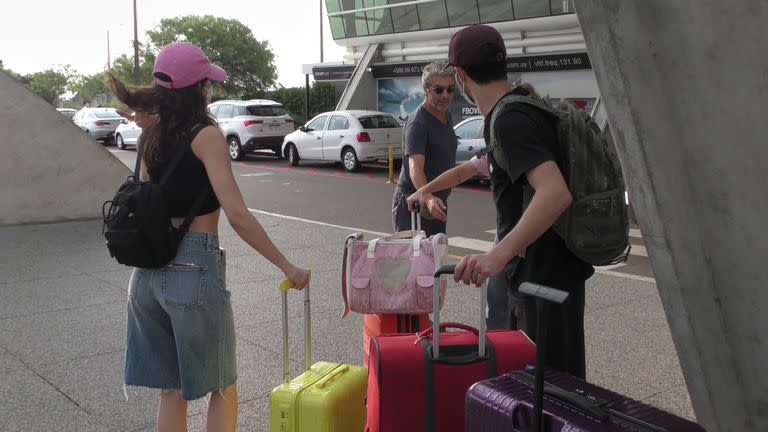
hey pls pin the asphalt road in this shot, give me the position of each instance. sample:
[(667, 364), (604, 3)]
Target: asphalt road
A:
[(324, 192)]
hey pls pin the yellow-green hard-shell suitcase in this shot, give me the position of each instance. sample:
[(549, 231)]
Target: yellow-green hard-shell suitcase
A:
[(327, 397)]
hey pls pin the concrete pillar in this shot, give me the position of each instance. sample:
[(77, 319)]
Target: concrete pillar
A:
[(50, 171), (685, 85)]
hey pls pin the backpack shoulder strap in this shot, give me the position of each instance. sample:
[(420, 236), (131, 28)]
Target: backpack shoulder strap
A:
[(502, 106), (202, 195)]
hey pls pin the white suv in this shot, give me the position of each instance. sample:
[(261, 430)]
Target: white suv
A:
[(251, 125)]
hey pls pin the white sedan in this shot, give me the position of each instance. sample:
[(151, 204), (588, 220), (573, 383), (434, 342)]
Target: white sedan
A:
[(127, 134), (350, 137)]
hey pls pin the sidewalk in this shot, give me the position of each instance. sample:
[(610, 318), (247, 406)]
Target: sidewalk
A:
[(62, 329)]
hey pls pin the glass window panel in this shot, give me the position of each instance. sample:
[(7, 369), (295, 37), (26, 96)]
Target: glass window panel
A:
[(338, 123), (337, 27), (225, 111), (332, 6), (354, 24), (495, 10), (318, 123), (462, 12), (433, 15), (379, 21), (530, 8), (404, 18), (561, 6)]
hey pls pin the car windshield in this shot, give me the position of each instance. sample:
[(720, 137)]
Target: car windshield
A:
[(378, 122), (105, 113), (267, 110)]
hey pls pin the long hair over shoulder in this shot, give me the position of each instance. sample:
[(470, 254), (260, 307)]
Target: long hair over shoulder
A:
[(178, 110)]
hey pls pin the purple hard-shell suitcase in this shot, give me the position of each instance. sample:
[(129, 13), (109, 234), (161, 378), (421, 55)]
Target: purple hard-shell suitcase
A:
[(505, 403), (552, 401)]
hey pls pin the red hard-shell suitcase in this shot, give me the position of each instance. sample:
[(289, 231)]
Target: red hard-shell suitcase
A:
[(409, 389), (554, 401)]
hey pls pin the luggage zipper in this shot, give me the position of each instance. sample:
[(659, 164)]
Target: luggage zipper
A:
[(591, 405)]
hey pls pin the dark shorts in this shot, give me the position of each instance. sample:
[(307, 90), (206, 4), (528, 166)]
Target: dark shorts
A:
[(181, 332)]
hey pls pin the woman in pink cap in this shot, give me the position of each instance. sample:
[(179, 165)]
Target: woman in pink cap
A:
[(181, 334)]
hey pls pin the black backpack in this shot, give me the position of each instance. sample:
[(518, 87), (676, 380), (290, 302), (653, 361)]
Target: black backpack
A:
[(137, 226), (596, 225)]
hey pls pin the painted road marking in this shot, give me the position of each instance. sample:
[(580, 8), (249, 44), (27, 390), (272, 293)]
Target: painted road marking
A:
[(468, 243), (604, 270), (256, 174)]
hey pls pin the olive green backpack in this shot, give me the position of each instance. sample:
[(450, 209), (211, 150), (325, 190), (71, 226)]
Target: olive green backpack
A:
[(596, 225)]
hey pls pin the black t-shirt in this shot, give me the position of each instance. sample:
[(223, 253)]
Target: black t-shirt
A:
[(529, 138)]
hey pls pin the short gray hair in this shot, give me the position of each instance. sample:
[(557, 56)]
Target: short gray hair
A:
[(439, 67)]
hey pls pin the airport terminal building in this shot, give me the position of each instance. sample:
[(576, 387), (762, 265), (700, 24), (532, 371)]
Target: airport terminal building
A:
[(388, 43)]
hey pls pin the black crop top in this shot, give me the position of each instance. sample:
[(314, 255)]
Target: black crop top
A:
[(185, 184)]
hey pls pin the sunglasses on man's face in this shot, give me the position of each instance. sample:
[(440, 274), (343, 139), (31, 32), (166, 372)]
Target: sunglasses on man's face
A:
[(438, 90)]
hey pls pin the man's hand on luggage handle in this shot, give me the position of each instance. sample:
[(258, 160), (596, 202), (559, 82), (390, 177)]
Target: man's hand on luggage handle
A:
[(476, 268)]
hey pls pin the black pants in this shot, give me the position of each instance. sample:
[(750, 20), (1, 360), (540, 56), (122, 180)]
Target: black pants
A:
[(401, 217), (565, 327)]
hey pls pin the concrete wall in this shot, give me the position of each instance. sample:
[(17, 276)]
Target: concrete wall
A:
[(50, 170), (685, 84)]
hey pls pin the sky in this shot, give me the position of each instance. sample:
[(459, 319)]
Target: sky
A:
[(40, 34)]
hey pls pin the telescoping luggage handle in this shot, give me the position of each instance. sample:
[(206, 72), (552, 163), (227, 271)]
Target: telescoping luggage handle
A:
[(543, 295), (284, 286), (449, 269)]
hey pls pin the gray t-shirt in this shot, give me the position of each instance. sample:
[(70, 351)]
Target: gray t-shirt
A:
[(424, 134)]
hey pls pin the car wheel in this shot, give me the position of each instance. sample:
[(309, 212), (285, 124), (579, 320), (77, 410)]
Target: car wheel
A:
[(119, 141), (293, 155), (235, 151), (349, 159)]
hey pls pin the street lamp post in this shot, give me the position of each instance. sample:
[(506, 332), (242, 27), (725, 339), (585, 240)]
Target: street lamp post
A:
[(135, 47)]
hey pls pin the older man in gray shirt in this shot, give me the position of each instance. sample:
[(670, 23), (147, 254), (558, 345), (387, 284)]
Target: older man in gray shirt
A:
[(429, 147)]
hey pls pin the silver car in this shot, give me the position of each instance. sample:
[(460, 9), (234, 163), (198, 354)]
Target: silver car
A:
[(251, 125), (67, 112), (127, 134), (470, 134), (99, 123), (349, 137)]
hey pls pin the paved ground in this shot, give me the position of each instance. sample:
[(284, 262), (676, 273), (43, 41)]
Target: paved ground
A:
[(62, 329)]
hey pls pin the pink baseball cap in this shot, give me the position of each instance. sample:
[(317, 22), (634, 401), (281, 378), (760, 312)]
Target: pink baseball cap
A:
[(182, 64)]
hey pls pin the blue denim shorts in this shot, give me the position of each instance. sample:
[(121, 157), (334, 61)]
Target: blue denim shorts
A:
[(181, 332)]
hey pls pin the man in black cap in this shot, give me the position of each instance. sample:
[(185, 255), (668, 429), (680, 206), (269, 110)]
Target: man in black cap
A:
[(528, 249)]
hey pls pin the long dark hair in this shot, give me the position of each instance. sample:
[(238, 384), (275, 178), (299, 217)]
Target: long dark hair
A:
[(178, 110)]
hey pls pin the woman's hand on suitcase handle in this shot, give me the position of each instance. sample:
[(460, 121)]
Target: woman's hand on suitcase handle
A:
[(299, 276), (474, 269)]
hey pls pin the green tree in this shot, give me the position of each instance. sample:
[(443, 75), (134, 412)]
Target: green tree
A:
[(228, 43), (322, 96), (49, 84), (89, 86), (122, 66)]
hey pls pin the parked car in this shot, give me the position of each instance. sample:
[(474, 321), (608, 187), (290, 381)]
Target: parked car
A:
[(99, 123), (67, 112), (252, 125), (127, 134), (470, 134), (347, 136)]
